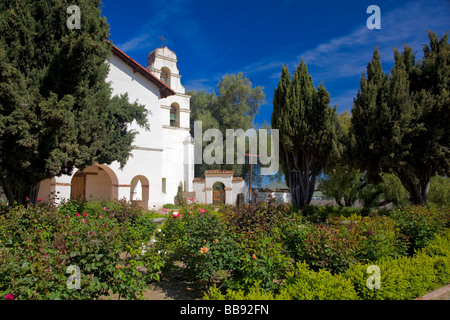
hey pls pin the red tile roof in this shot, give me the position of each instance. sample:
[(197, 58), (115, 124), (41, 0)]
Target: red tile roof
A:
[(164, 90)]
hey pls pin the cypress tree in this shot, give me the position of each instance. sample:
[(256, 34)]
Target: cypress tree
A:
[(56, 110), (400, 122), (307, 130)]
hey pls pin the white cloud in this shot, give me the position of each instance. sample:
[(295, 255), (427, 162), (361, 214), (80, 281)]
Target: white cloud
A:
[(347, 56)]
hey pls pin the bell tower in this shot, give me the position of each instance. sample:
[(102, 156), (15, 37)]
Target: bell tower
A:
[(162, 63), (177, 143)]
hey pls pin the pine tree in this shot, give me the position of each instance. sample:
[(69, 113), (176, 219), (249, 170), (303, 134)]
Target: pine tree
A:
[(307, 128), (56, 110)]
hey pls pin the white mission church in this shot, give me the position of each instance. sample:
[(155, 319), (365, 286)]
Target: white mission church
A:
[(163, 157), (157, 165)]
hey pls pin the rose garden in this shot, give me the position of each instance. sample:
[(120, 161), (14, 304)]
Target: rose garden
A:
[(258, 251), (80, 119)]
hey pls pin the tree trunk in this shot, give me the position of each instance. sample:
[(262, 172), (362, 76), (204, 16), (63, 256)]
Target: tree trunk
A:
[(372, 198), (418, 187), (305, 179), (17, 196)]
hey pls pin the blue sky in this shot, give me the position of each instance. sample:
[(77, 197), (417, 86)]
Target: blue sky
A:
[(213, 38)]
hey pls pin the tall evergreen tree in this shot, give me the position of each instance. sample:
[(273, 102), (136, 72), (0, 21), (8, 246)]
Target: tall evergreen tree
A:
[(307, 129), (56, 110), (400, 122)]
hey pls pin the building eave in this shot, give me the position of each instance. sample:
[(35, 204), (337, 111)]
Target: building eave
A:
[(164, 90)]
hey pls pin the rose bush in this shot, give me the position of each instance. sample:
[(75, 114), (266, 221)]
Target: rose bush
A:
[(421, 224), (38, 244)]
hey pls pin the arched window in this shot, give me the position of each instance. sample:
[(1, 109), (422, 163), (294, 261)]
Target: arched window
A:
[(165, 76), (174, 115)]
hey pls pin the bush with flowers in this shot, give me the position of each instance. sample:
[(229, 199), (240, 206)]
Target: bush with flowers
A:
[(258, 231), (340, 241), (401, 278), (38, 244), (260, 243), (196, 237), (420, 224), (237, 246)]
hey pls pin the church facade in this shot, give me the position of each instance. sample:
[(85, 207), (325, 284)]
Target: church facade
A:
[(162, 159)]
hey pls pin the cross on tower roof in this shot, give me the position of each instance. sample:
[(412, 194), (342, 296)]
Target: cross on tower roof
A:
[(162, 41)]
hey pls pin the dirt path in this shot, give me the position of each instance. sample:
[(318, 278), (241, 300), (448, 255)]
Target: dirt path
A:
[(174, 289), (171, 286)]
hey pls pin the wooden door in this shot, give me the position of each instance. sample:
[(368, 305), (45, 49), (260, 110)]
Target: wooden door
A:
[(78, 186), (218, 196)]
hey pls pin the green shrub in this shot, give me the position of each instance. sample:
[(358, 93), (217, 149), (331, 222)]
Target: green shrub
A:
[(293, 236), (198, 239), (329, 248), (440, 191), (405, 277), (261, 262), (300, 284), (39, 243), (322, 213), (305, 284), (257, 230), (254, 293), (340, 241), (375, 237), (171, 206), (258, 219), (421, 224)]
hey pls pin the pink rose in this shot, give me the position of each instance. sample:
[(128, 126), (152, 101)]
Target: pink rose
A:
[(202, 211), (175, 214), (9, 296)]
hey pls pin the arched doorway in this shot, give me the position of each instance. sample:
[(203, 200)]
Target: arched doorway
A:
[(94, 182), (139, 191), (218, 193)]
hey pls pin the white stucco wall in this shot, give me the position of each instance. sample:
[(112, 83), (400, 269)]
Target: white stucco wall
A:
[(160, 152), (239, 187), (204, 188)]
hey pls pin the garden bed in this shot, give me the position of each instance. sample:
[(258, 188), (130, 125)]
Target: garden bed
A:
[(261, 251)]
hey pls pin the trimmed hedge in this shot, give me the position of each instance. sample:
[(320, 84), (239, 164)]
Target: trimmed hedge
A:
[(401, 279)]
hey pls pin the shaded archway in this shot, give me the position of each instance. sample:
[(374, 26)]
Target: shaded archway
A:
[(174, 115), (139, 191), (94, 182), (218, 193), (165, 76)]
